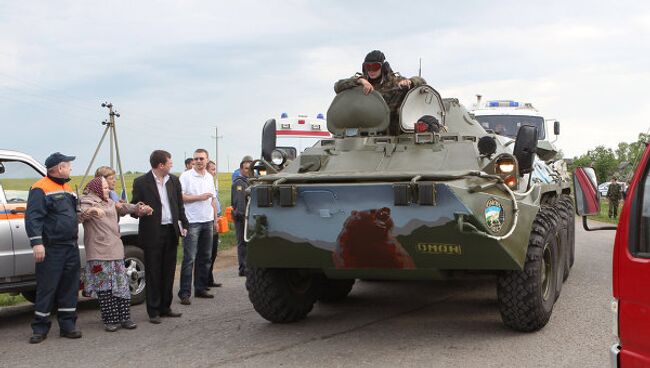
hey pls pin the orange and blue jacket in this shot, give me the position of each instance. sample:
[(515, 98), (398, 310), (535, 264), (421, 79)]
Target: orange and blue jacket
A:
[(51, 214)]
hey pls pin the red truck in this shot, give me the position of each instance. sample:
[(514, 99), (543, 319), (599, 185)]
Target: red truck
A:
[(631, 262)]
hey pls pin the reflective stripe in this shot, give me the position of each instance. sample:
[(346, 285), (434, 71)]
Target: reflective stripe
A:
[(41, 314), (59, 191), (35, 237), (67, 309)]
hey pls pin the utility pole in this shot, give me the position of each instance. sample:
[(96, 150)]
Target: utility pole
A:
[(216, 138), (114, 145)]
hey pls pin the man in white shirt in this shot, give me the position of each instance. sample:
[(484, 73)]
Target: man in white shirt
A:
[(200, 198)]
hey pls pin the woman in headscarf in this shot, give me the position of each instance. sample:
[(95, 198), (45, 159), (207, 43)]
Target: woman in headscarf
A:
[(105, 275)]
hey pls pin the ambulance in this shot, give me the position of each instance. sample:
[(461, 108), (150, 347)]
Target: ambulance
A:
[(294, 134)]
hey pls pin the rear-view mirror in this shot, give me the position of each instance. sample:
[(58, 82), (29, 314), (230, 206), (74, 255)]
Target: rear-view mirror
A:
[(587, 196), (268, 139), (525, 146)]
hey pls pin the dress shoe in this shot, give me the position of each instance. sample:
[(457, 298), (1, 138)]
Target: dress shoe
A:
[(111, 327), (129, 325), (155, 320), (203, 294), (186, 301), (215, 284), (171, 314), (37, 338), (75, 334)]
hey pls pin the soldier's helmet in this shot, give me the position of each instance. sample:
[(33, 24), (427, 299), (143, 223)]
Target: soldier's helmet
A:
[(374, 60)]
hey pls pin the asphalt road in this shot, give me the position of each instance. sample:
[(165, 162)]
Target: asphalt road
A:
[(381, 324)]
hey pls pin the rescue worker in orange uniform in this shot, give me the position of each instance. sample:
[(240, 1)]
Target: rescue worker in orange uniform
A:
[(52, 227)]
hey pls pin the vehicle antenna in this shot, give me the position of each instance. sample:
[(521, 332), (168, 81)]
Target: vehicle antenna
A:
[(420, 70)]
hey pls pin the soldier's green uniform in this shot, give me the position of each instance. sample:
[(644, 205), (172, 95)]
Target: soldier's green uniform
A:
[(614, 195), (387, 85)]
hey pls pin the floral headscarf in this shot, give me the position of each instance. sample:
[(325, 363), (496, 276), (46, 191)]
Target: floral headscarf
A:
[(95, 186)]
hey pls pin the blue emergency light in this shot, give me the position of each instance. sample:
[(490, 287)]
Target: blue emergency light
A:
[(320, 116), (506, 103), (284, 115)]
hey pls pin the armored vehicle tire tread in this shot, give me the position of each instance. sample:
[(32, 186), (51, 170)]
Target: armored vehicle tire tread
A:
[(526, 299), (276, 297), (566, 211), (335, 290)]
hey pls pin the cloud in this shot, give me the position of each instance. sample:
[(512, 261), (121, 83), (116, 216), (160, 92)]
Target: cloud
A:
[(175, 69)]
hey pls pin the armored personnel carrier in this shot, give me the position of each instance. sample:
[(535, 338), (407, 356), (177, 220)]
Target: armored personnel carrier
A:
[(443, 198)]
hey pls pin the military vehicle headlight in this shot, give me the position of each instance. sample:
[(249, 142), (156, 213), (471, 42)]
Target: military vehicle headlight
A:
[(278, 157), (506, 166)]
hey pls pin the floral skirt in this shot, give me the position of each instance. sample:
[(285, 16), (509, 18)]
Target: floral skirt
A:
[(105, 276)]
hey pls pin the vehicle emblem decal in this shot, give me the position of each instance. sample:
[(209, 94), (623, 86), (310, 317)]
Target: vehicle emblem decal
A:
[(494, 215)]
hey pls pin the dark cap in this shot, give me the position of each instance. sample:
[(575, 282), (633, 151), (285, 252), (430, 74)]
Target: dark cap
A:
[(247, 158), (375, 56), (56, 158)]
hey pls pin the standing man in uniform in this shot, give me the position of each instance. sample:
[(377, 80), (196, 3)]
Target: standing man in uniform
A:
[(614, 195), (238, 200), (158, 234), (199, 196), (51, 224), (376, 74)]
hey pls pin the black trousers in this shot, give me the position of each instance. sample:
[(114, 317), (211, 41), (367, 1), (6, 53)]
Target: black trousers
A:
[(215, 248), (160, 267), (241, 245), (57, 281)]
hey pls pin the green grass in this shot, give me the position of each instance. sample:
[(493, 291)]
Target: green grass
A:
[(224, 181), (604, 210), (8, 300)]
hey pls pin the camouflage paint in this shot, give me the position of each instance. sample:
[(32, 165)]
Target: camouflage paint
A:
[(312, 233)]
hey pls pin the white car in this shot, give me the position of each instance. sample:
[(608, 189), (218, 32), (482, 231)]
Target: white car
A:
[(602, 188)]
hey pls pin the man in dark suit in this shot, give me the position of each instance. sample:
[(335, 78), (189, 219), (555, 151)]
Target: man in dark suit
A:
[(158, 234)]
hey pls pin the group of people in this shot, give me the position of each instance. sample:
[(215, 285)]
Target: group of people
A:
[(168, 207)]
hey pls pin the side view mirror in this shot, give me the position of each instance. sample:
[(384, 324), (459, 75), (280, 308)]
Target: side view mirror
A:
[(587, 196), (556, 127), (268, 139), (525, 146), (2, 168)]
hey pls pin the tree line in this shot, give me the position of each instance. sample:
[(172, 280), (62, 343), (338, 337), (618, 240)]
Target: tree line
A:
[(608, 162)]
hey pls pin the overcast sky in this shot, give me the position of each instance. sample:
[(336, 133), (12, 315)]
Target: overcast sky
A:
[(176, 69)]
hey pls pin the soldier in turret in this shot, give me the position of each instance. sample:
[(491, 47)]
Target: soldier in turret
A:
[(613, 195), (376, 74)]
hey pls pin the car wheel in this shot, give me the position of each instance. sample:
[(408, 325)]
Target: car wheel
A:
[(134, 264)]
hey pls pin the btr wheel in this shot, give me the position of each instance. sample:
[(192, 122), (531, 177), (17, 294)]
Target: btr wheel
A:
[(526, 297), (334, 290), (282, 295), (134, 264), (567, 215)]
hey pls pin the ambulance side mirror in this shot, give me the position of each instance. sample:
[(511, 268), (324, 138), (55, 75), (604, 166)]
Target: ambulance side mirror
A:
[(268, 139), (556, 128)]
